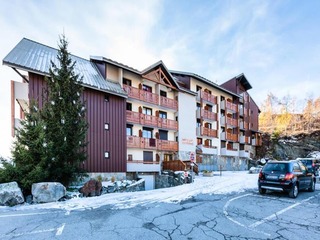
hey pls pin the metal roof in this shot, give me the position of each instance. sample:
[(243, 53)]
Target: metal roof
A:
[(205, 80), (34, 57)]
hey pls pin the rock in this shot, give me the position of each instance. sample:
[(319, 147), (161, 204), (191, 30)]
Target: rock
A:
[(10, 194), (47, 192), (91, 188)]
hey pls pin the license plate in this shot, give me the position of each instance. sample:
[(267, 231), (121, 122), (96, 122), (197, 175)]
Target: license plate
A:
[(272, 177)]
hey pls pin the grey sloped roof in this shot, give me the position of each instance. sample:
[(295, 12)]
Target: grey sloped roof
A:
[(34, 57)]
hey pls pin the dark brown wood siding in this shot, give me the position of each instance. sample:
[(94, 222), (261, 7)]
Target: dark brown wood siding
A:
[(254, 117), (99, 112)]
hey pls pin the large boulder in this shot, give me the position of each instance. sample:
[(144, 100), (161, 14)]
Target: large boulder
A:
[(91, 188), (45, 192), (10, 194)]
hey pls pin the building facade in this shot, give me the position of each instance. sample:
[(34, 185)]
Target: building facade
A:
[(144, 122)]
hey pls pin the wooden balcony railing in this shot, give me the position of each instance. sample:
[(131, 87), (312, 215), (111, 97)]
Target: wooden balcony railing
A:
[(167, 123), (151, 143), (232, 137), (232, 121), (144, 119), (208, 115), (208, 97), (230, 147), (169, 103), (149, 97), (209, 132), (231, 106), (175, 165)]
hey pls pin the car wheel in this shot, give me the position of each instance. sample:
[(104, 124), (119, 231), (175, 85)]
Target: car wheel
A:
[(262, 190), (293, 193), (312, 186)]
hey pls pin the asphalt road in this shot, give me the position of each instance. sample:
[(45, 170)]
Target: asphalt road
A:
[(246, 215)]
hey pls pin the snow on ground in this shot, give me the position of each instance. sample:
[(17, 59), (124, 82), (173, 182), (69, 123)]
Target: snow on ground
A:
[(227, 183)]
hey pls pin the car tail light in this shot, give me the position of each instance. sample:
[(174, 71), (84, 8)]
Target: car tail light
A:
[(260, 175), (289, 176), (313, 165)]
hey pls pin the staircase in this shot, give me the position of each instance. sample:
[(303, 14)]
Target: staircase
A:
[(178, 165)]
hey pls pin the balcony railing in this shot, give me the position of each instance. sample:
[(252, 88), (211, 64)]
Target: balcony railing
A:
[(208, 115), (226, 105), (144, 119), (208, 97), (202, 131), (169, 103), (229, 136), (151, 143), (244, 140), (149, 97), (229, 121), (256, 142), (167, 123)]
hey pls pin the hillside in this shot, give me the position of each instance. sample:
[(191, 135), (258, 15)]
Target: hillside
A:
[(289, 147)]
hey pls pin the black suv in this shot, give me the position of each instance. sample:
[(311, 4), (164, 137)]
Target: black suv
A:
[(289, 176)]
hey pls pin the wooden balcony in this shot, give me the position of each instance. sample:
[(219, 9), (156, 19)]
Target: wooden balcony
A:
[(202, 131), (229, 106), (208, 97), (208, 115), (228, 121), (149, 97), (143, 119), (229, 136), (244, 140), (141, 95), (167, 123), (168, 103), (151, 143)]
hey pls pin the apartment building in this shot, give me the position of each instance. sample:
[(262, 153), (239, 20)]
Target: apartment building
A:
[(226, 121), (105, 104), (143, 122), (151, 115)]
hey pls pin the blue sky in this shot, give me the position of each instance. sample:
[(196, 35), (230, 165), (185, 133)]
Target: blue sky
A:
[(275, 43)]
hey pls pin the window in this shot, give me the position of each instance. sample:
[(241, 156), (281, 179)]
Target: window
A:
[(162, 114), (106, 126), (198, 123), (129, 106), (146, 88), (209, 125), (163, 135), (106, 154), (147, 156), (147, 111), (198, 106), (209, 108), (199, 141), (147, 132), (129, 130), (167, 157), (126, 81), (129, 157), (198, 88), (106, 97), (163, 93)]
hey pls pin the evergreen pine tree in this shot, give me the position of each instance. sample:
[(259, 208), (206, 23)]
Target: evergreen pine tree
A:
[(28, 153), (64, 118)]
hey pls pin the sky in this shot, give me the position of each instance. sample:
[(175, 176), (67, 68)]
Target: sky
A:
[(275, 43)]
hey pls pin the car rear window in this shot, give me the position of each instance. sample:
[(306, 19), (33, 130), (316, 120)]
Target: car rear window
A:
[(279, 167)]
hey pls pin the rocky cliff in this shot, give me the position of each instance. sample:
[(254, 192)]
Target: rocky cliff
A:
[(289, 147)]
